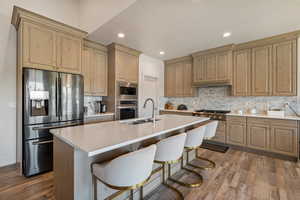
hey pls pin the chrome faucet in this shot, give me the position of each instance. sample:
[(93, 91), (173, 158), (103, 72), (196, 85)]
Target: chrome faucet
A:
[(153, 107)]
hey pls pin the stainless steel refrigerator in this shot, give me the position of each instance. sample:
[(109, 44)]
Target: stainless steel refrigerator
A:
[(50, 100)]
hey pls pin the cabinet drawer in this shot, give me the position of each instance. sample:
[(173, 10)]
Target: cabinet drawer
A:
[(282, 122), (255, 120), (236, 119)]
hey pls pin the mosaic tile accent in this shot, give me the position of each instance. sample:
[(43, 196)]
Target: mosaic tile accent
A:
[(219, 98)]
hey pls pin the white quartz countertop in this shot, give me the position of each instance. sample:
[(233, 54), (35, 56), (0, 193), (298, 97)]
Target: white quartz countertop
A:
[(264, 116), (102, 137)]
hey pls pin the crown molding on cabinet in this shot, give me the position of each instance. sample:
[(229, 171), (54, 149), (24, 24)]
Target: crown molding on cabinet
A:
[(180, 59), (94, 45), (123, 48), (214, 50), (20, 14)]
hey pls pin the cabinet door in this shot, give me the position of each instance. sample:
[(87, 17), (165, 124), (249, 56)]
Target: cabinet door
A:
[(242, 73), (127, 67), (224, 66), (100, 73), (170, 74), (221, 132), (199, 69), (87, 65), (188, 90), (285, 68), (69, 53), (236, 133), (179, 80), (39, 47), (284, 140), (211, 67), (261, 71), (258, 136)]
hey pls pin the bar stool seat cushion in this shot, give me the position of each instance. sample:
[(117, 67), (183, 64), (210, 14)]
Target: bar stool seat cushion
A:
[(211, 129), (195, 137), (170, 149), (127, 170)]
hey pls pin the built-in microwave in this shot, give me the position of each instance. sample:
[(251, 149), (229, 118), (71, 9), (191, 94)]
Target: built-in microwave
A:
[(127, 90)]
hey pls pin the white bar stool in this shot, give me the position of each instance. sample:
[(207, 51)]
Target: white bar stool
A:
[(194, 140), (169, 151), (127, 172)]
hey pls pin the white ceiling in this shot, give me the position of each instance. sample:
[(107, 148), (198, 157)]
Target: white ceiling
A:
[(180, 27)]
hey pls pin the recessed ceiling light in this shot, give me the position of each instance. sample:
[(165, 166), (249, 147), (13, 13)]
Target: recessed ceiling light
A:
[(162, 53), (121, 35), (227, 34)]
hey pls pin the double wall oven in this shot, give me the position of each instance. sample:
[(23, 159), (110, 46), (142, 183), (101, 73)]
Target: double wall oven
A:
[(127, 100)]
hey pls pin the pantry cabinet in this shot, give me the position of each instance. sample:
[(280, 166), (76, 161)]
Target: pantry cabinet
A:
[(95, 69), (178, 78), (213, 66)]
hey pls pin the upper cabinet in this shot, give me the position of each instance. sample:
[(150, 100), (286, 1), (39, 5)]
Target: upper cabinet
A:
[(285, 68), (126, 63), (95, 69), (213, 66), (266, 67), (178, 77), (47, 44)]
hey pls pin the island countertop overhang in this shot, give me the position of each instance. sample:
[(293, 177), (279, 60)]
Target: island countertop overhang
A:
[(99, 138)]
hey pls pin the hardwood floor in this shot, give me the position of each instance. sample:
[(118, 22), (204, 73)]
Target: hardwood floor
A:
[(238, 176)]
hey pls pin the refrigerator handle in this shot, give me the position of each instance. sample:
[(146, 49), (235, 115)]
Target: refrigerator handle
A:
[(56, 95)]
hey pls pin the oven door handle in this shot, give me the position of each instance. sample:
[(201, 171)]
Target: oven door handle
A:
[(43, 142), (124, 107)]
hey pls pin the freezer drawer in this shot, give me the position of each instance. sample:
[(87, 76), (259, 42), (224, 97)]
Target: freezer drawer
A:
[(38, 156)]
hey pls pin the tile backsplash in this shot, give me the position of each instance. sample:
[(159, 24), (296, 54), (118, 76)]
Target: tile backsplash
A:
[(87, 100), (219, 98)]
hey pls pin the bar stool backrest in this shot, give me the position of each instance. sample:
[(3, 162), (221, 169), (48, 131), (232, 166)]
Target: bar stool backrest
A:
[(129, 169), (170, 149), (211, 129), (195, 137)]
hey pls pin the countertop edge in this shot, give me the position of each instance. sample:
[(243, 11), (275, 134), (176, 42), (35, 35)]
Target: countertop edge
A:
[(105, 149), (265, 116)]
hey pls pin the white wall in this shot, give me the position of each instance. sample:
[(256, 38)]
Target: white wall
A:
[(151, 82), (65, 11), (94, 13)]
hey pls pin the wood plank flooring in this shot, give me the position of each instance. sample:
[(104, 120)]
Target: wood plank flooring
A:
[(238, 176)]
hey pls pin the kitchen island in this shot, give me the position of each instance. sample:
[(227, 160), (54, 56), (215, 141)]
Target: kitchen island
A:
[(75, 148)]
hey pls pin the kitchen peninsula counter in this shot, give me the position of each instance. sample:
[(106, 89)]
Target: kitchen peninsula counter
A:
[(75, 148)]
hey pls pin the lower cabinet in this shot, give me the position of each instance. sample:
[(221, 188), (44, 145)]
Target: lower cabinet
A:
[(284, 139), (258, 135), (236, 131), (277, 136)]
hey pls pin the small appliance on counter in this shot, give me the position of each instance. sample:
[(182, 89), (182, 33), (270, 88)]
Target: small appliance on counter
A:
[(169, 106), (182, 107)]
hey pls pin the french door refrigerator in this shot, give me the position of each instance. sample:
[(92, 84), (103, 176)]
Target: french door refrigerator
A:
[(50, 100)]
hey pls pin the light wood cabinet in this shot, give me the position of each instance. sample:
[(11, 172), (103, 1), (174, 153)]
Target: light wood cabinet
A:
[(213, 66), (285, 68), (261, 71), (39, 47), (95, 69), (69, 51), (199, 69), (272, 65), (284, 137), (242, 73), (258, 134), (127, 66), (236, 131), (47, 44), (178, 78)]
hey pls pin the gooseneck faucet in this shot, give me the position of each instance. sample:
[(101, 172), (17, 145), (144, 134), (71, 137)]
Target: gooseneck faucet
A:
[(153, 107)]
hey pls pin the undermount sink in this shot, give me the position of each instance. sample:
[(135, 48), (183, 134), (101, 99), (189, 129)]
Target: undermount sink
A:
[(141, 121)]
